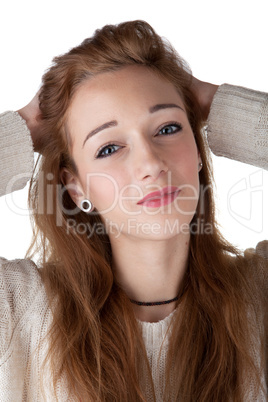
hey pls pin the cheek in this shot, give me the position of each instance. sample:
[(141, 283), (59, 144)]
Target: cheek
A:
[(103, 189), (184, 159), (190, 174), (185, 164)]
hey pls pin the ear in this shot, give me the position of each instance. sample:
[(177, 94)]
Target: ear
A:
[(199, 162), (73, 186)]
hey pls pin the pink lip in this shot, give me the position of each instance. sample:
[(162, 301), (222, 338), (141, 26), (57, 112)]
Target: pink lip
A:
[(159, 198)]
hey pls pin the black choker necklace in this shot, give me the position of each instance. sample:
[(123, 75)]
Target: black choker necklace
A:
[(158, 303)]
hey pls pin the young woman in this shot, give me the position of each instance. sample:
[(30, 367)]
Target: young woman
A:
[(138, 297)]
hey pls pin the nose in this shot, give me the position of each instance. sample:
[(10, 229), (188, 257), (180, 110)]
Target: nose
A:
[(148, 162)]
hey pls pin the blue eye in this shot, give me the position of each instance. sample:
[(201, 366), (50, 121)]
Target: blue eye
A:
[(107, 150), (170, 129)]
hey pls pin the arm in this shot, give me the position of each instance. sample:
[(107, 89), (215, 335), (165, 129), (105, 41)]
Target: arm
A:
[(16, 153), (237, 121), (238, 125), (18, 137), (23, 301)]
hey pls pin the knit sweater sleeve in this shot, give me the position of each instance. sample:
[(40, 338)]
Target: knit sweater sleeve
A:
[(16, 153), (24, 311), (20, 284), (238, 125), (260, 265)]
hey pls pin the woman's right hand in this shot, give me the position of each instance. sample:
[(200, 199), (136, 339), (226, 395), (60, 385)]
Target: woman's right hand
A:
[(32, 115)]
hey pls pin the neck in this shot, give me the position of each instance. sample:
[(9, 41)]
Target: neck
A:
[(151, 271)]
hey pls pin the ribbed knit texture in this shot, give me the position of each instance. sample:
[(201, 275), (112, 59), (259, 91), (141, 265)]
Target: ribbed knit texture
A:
[(238, 125), (155, 336), (237, 129), (16, 153)]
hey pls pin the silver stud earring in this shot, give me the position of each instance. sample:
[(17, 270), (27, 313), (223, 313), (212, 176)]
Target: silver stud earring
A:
[(86, 206), (200, 165)]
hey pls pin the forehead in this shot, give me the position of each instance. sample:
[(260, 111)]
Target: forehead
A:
[(125, 96), (125, 87)]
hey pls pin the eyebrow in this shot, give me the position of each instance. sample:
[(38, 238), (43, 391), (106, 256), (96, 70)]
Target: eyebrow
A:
[(114, 123), (161, 106)]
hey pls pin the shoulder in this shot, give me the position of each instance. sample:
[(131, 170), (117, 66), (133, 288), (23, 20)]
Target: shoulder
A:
[(19, 274), (258, 262), (22, 296), (20, 282)]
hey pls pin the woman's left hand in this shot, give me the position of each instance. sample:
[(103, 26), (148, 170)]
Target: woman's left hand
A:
[(204, 92)]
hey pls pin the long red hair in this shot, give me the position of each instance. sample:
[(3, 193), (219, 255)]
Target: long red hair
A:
[(95, 341)]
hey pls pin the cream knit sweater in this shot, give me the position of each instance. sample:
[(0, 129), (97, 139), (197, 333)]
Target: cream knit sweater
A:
[(238, 127)]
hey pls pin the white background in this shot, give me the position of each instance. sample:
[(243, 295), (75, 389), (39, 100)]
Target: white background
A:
[(222, 41)]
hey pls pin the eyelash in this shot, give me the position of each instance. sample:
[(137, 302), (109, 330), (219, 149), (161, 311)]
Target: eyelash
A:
[(99, 152), (102, 149), (177, 125)]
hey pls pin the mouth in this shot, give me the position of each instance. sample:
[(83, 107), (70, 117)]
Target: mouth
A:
[(160, 198)]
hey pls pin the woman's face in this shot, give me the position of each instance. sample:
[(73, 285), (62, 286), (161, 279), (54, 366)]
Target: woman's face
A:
[(131, 139)]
